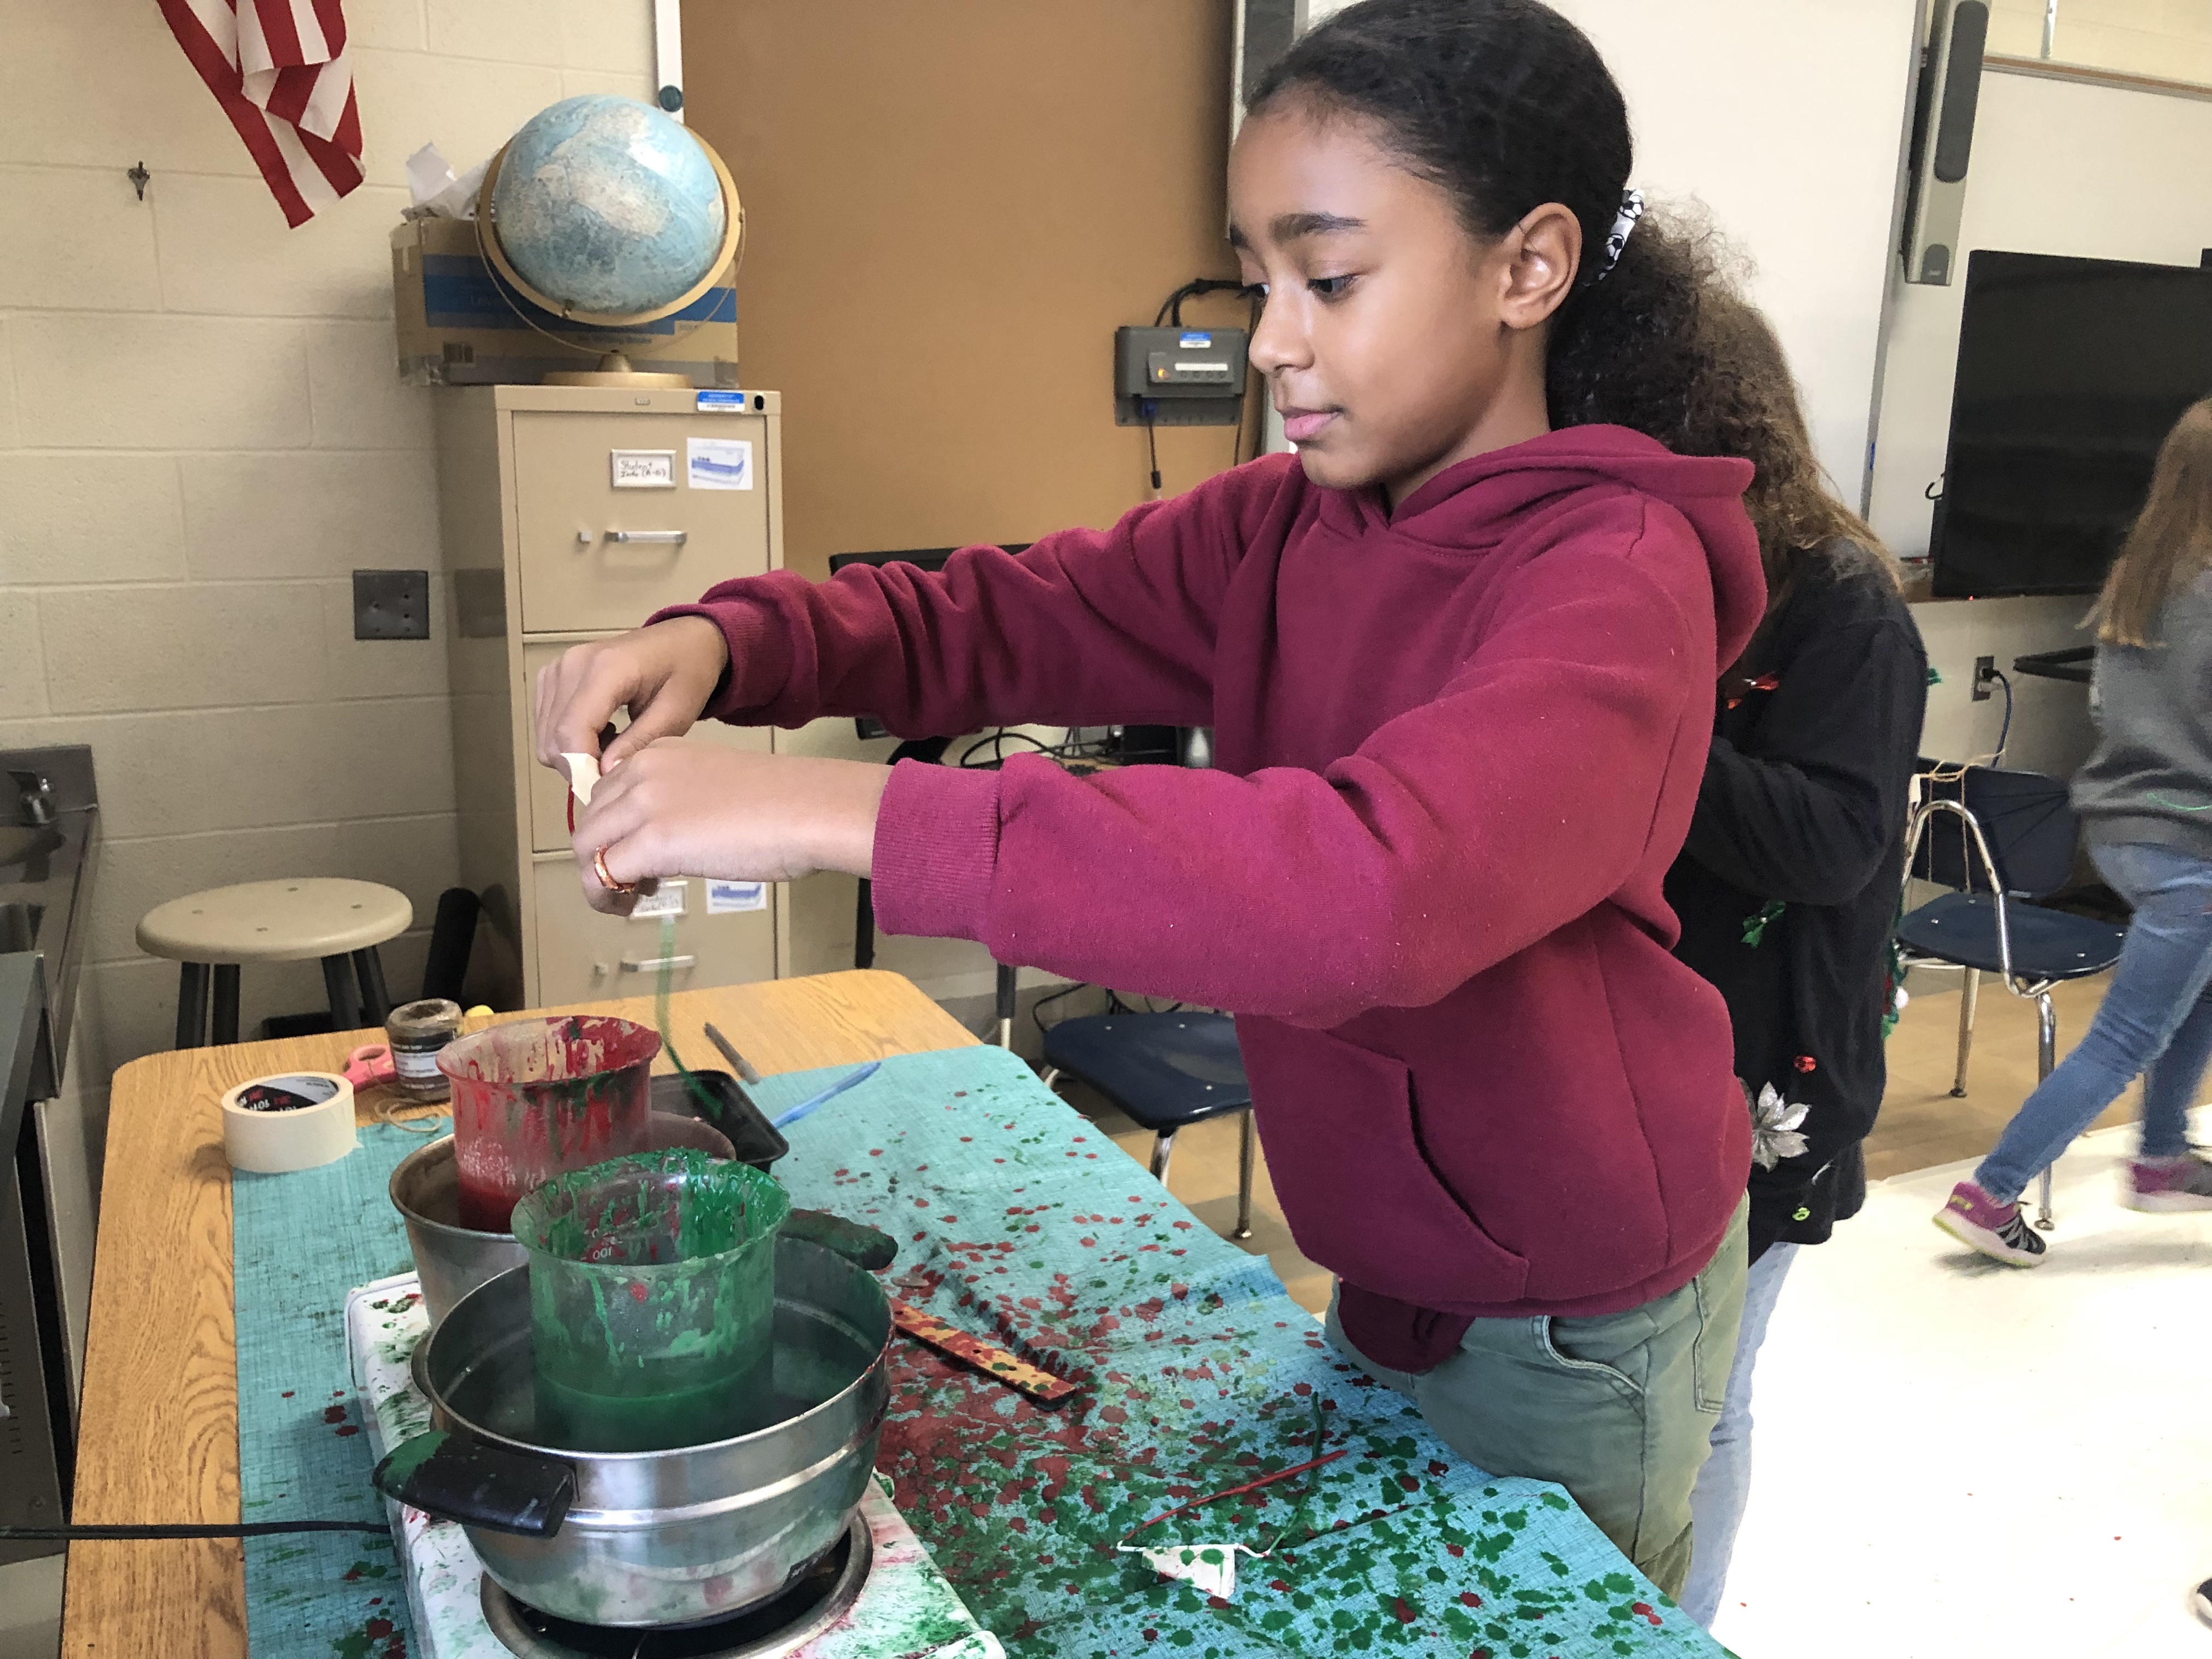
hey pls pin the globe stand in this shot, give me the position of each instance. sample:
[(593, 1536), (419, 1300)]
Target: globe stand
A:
[(614, 370)]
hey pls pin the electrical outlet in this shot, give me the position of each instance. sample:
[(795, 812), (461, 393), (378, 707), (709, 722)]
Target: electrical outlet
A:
[(391, 604), (1985, 675)]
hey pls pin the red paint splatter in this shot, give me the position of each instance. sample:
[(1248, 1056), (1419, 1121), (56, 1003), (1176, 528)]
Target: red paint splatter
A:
[(1406, 1614), (334, 1413), (1468, 1598), (1277, 1585), (1643, 1610), (1455, 1550), (288, 1394)]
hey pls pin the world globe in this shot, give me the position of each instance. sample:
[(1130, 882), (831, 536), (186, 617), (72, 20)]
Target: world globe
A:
[(608, 207)]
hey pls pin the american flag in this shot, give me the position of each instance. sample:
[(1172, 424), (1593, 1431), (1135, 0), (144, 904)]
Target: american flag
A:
[(278, 67)]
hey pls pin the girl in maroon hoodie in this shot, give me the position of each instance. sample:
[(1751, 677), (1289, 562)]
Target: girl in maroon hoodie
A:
[(1458, 654)]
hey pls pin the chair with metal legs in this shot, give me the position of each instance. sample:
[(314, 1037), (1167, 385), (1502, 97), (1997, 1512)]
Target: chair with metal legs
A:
[(2017, 840), (1164, 1072)]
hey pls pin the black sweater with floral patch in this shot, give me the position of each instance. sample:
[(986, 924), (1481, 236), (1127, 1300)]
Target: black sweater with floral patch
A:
[(1787, 888)]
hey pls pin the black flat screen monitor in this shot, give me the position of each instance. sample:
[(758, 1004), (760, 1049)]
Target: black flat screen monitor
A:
[(2071, 372)]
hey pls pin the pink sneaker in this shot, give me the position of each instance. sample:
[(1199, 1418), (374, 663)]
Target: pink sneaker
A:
[(2169, 1183), (1998, 1231)]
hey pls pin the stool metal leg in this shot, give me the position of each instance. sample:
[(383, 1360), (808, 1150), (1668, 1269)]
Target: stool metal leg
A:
[(1245, 1148), (1969, 994), (191, 1005), (226, 1002), (1162, 1149), (1008, 986), (338, 980), (2046, 1056), (375, 1000), (864, 926)]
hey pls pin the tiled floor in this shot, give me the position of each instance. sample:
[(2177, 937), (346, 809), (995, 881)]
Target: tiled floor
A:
[(1956, 1457), (31, 1609)]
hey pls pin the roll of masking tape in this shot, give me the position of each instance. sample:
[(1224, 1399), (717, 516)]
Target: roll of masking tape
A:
[(289, 1121)]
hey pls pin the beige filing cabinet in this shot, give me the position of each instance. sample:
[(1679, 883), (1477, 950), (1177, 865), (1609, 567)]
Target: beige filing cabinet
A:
[(570, 513)]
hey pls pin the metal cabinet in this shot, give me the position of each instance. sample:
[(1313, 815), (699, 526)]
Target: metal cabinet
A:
[(568, 514)]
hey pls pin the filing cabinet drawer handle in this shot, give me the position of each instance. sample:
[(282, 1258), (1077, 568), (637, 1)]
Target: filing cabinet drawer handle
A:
[(656, 963), (665, 537)]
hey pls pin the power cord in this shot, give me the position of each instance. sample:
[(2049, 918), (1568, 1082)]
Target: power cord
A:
[(219, 1530), (1071, 748), (1171, 311), (996, 743), (1037, 1008)]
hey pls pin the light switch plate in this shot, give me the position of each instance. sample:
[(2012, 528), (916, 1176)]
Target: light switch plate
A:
[(391, 604)]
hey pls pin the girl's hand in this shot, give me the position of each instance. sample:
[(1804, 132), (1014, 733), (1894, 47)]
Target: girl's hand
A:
[(663, 675), (688, 807)]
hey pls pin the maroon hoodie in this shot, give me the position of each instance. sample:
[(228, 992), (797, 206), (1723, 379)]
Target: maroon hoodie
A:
[(1456, 748)]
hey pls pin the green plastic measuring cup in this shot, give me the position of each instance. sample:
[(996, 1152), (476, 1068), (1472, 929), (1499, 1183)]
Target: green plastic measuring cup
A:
[(652, 1300)]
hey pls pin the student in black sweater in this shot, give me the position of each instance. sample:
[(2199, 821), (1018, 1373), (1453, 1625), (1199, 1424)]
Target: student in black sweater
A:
[(1786, 889)]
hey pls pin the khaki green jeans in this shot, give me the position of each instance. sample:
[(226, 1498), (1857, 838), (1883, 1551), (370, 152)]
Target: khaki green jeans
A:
[(1619, 1409)]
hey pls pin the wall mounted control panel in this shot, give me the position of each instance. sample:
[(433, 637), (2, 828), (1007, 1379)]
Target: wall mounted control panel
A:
[(1179, 376)]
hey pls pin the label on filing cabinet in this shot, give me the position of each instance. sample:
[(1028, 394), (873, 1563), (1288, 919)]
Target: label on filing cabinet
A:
[(642, 469), (719, 463), (665, 900), (724, 898), (721, 403)]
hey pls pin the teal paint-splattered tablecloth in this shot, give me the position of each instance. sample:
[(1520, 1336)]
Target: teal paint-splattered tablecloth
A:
[(1013, 1213)]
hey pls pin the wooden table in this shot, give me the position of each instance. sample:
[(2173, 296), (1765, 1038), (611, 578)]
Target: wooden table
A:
[(158, 1438)]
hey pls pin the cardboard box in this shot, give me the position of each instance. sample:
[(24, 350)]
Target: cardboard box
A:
[(457, 326)]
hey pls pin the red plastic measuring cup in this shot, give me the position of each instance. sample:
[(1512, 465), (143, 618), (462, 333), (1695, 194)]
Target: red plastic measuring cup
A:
[(535, 1098)]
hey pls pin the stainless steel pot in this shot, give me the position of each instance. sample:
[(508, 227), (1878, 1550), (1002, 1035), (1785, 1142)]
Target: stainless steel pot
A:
[(451, 1259), (702, 1532)]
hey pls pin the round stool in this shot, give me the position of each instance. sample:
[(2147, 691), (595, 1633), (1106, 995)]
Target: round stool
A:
[(340, 921)]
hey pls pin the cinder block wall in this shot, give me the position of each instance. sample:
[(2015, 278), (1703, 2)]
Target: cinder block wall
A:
[(202, 436)]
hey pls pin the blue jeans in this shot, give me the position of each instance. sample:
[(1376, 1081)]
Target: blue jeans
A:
[(1724, 1483), (2156, 1019)]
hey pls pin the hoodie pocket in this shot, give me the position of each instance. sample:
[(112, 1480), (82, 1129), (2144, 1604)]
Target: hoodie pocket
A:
[(1342, 1130)]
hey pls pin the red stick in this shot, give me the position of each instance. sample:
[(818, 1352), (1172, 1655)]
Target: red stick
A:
[(1249, 1486)]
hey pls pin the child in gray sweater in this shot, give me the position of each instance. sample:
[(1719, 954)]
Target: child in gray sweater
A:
[(2146, 795)]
